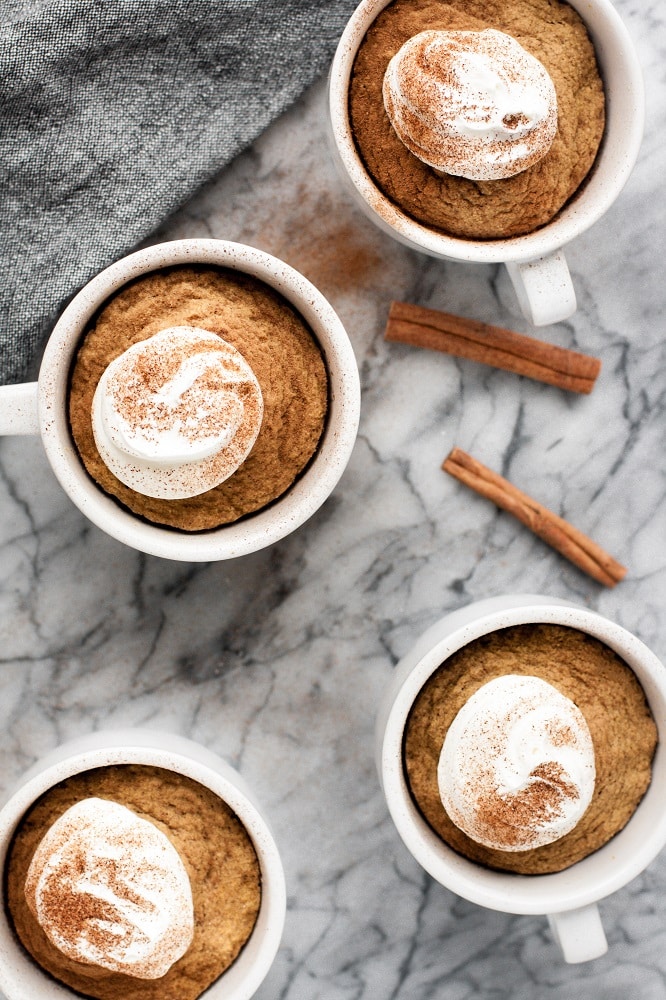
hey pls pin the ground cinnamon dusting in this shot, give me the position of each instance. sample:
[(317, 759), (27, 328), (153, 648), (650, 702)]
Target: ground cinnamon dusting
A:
[(428, 64), (512, 819), (608, 694), (149, 374)]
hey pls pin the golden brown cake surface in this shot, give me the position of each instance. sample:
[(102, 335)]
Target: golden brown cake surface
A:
[(549, 30), (583, 669), (218, 855), (274, 340)]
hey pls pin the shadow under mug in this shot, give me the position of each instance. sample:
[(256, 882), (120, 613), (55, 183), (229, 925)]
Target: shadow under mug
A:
[(535, 262), (41, 407), (568, 898), (22, 978)]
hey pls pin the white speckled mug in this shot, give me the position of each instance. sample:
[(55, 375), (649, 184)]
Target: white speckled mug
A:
[(41, 407), (535, 262), (22, 978), (568, 897)]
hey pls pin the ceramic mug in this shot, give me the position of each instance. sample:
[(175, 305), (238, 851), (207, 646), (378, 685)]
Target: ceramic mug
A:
[(568, 897), (22, 977), (41, 407), (535, 262)]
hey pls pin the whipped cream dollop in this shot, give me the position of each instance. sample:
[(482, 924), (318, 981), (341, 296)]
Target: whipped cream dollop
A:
[(474, 104), (177, 414), (517, 769), (109, 889)]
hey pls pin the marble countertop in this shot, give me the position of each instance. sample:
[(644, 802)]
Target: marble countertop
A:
[(277, 660)]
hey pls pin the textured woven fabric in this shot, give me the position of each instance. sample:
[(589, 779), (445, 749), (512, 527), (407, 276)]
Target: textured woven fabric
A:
[(112, 113)]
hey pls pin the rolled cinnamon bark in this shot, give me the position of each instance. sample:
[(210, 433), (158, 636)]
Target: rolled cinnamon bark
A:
[(552, 529), (491, 345)]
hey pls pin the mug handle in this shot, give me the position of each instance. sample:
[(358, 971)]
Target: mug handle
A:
[(544, 289), (18, 409), (579, 933)]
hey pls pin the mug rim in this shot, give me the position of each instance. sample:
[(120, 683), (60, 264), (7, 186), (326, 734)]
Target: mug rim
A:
[(586, 206), (587, 881), (176, 753), (272, 522)]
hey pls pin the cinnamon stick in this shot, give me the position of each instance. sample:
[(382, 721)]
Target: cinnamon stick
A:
[(491, 345), (558, 533)]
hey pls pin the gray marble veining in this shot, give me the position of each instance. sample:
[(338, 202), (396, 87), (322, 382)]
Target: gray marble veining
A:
[(277, 660)]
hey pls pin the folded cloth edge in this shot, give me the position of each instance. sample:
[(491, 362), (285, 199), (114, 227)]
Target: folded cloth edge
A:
[(113, 115)]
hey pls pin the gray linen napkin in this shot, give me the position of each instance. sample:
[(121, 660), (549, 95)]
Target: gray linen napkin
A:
[(112, 113)]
